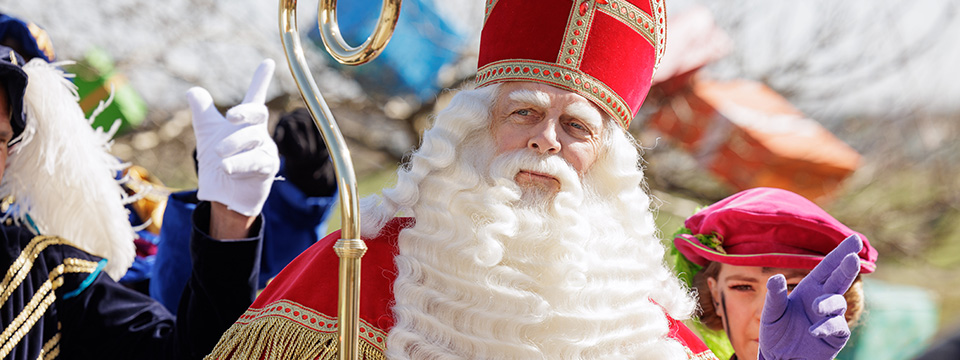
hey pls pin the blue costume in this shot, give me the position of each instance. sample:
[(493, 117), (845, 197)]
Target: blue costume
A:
[(60, 303), (292, 222)]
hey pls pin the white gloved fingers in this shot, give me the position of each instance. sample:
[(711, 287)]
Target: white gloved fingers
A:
[(830, 305), (244, 114), (244, 138), (257, 92), (237, 158), (260, 162), (207, 120), (201, 103)]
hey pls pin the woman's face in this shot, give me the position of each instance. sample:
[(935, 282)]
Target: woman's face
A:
[(738, 294)]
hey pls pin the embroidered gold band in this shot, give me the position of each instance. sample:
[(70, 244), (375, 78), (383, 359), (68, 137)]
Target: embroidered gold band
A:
[(22, 265), (574, 39), (285, 329), (652, 28), (487, 8), (40, 302), (51, 349), (555, 75)]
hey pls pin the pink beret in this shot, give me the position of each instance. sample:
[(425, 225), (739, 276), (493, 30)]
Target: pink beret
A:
[(766, 227)]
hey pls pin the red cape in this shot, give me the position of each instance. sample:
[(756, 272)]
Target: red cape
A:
[(295, 316)]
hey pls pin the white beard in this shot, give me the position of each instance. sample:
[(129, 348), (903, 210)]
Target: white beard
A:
[(491, 272), (62, 175)]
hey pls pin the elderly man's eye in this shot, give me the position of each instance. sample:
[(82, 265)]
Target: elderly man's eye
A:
[(523, 112)]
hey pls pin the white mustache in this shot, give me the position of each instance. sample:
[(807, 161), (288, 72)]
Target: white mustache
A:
[(507, 165)]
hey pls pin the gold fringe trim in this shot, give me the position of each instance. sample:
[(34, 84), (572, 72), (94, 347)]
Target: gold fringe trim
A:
[(287, 330)]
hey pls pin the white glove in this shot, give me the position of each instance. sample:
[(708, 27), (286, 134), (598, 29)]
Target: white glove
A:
[(236, 157)]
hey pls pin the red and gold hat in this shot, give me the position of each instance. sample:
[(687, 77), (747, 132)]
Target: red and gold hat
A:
[(603, 50)]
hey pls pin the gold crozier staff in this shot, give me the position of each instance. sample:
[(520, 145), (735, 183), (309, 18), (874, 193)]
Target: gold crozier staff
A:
[(350, 248)]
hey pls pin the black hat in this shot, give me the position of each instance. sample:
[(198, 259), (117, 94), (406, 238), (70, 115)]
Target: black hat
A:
[(15, 80)]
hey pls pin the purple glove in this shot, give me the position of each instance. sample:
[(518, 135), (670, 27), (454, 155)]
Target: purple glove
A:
[(808, 323)]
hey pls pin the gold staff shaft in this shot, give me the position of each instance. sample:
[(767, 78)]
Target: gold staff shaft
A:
[(350, 248)]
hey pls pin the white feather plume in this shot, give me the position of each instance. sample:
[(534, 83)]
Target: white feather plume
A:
[(62, 175)]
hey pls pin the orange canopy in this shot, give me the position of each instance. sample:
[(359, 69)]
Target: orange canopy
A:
[(750, 136)]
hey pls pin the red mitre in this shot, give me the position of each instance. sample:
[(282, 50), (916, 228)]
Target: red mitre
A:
[(603, 50)]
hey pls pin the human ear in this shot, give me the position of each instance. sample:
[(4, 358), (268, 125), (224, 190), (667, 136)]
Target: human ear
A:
[(715, 295)]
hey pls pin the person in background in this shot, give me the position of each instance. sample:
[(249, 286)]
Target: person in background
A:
[(59, 299), (295, 213), (946, 349), (728, 251), (521, 228), (297, 209), (25, 38)]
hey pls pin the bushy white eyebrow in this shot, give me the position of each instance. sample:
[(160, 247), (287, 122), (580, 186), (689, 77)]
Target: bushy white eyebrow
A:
[(586, 112), (532, 97)]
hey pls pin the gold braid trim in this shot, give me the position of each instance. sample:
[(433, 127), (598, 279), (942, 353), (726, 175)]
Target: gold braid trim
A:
[(21, 267), (488, 7), (287, 330), (39, 303), (563, 77), (51, 349)]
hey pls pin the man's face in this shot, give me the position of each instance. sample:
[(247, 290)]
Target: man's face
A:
[(740, 292), (548, 121), (6, 131)]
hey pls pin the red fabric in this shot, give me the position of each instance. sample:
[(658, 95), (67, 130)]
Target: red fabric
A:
[(144, 247), (311, 278), (625, 66), (620, 44), (511, 33), (311, 281), (686, 337), (768, 227)]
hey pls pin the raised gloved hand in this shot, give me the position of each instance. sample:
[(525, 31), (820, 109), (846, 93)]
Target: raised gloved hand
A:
[(308, 163), (237, 160), (809, 322)]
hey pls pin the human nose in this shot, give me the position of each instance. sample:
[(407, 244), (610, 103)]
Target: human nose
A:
[(758, 303), (544, 139)]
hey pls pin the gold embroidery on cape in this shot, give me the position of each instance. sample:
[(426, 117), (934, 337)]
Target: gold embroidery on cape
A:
[(559, 76), (51, 349), (285, 329), (21, 267), (75, 265), (40, 302)]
